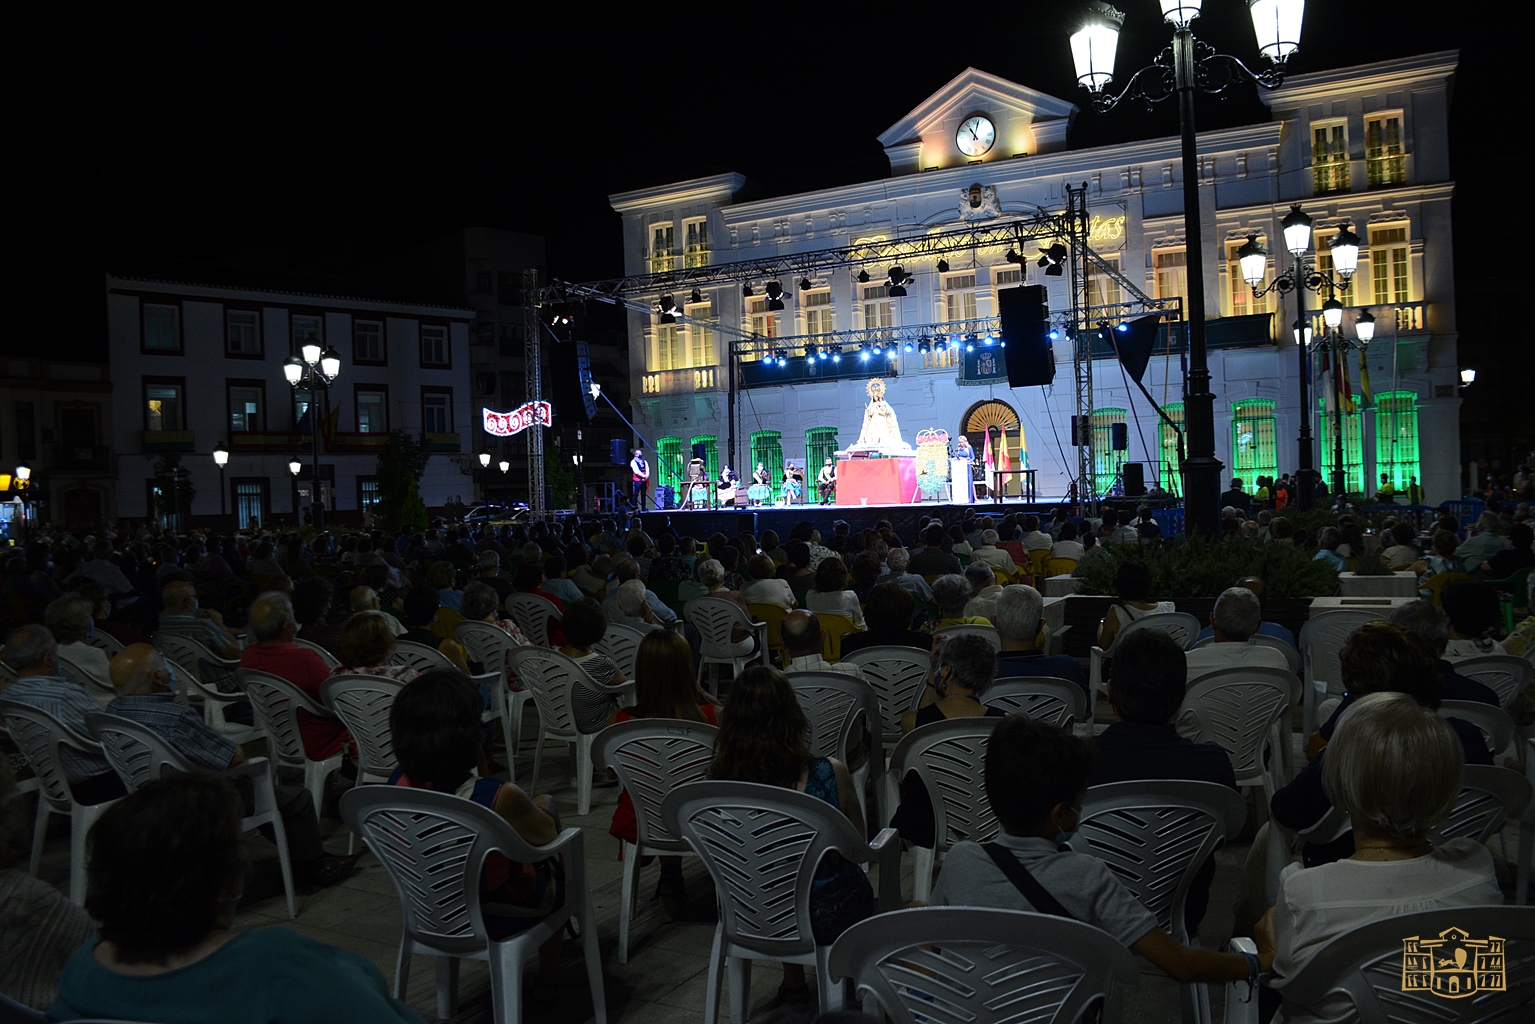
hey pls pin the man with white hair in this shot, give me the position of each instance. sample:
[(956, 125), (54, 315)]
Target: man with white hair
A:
[(898, 561), (633, 610), (992, 555), (1019, 611), (984, 590), (1035, 539), (625, 568), (1483, 543), (1236, 619), (365, 599)]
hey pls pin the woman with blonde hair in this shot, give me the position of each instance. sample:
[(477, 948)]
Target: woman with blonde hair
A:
[(366, 643)]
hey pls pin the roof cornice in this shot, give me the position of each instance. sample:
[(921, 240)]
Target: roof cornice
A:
[(717, 187), (207, 291), (1398, 73)]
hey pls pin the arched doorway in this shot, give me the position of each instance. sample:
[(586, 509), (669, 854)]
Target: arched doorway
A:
[(997, 421)]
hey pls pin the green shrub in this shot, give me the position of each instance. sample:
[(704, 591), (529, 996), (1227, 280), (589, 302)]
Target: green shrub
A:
[(1198, 567)]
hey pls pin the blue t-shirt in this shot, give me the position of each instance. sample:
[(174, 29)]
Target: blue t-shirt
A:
[(263, 976), (1272, 629)]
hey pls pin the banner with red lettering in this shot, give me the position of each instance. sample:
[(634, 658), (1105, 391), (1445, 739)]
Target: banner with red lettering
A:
[(505, 424)]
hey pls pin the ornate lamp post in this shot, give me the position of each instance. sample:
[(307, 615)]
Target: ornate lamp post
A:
[(23, 482), (1301, 277), (484, 482), (1181, 69), (314, 370), (221, 459)]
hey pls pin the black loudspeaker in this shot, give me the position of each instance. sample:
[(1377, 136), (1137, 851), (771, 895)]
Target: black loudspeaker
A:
[(1135, 479), (666, 496), (1119, 436), (701, 451), (570, 366), (1078, 435), (1028, 354), (619, 455), (746, 522)]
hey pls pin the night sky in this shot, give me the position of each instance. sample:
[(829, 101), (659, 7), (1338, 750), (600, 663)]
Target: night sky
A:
[(315, 144)]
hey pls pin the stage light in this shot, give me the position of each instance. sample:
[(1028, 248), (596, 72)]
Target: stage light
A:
[(924, 346), (940, 343), (805, 284), (970, 343), (821, 355), (668, 309), (863, 277), (1122, 328), (1012, 257), (1053, 260), (1055, 335), (836, 353), (892, 351), (746, 290), (809, 351), (697, 296), (898, 281), (863, 352), (774, 292), (943, 266), (988, 341), (909, 346)]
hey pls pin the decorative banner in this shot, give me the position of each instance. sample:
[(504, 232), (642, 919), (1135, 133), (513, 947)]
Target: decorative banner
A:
[(505, 424)]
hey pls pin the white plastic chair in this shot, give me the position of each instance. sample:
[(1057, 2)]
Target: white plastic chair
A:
[(1321, 638), (1292, 659), (274, 701), (760, 843), (1238, 709), (1506, 674), (532, 614), (41, 737), (208, 677), (1489, 796), (714, 617), (982, 966), (488, 644), (363, 704), (331, 661), (651, 757), (105, 641), (1496, 727), (101, 690), (621, 644), (1046, 698), (1373, 966), (434, 846), (550, 676), (975, 629), (419, 657), (1181, 626), (1155, 835), (949, 757), (139, 755), (835, 702), (897, 675)]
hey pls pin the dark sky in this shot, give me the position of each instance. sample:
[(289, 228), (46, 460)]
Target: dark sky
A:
[(189, 133)]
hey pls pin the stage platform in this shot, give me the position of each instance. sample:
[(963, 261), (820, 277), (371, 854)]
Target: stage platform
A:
[(904, 518)]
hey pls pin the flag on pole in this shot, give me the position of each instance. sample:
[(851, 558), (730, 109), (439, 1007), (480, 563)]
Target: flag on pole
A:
[(986, 457), (1347, 393), (1364, 378)]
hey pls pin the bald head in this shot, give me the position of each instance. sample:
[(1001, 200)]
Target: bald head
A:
[(271, 618), (801, 633), (138, 669), (178, 596), (1253, 583)]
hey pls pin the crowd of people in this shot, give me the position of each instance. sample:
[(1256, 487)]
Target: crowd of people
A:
[(166, 867)]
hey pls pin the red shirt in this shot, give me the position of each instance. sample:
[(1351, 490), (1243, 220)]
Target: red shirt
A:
[(323, 737)]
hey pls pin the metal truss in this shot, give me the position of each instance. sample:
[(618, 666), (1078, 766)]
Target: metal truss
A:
[(533, 391)]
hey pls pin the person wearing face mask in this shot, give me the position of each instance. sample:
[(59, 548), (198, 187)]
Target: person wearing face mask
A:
[(1036, 780)]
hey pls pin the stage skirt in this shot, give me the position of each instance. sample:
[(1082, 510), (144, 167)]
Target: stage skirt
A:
[(759, 492)]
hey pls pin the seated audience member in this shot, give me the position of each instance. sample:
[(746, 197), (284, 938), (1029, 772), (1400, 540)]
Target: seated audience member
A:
[(367, 641), (625, 568), (865, 571), (1432, 626), (664, 687), (488, 572), (1394, 767), (1378, 657), (984, 589), (711, 575), (273, 626), (951, 593), (1132, 583), (1403, 550), (992, 555), (1113, 533), (1146, 692), (144, 696), (800, 633), (1327, 549), (667, 566), (765, 587), (439, 578), (1483, 543), (32, 654), (796, 569), (898, 561), (959, 545), (39, 926), (962, 671), (888, 615), (764, 738), (101, 614), (730, 560), (1068, 546), (69, 619), (584, 626), (1036, 780), (311, 607), (771, 548), (1034, 539), (421, 607), (1273, 629), (1474, 611), (182, 616), (435, 725), (262, 565), (100, 567), (167, 870), (558, 584), (626, 606), (831, 596), (1441, 559), (366, 599), (1235, 618), (1518, 555), (1020, 611), (591, 578), (935, 559)]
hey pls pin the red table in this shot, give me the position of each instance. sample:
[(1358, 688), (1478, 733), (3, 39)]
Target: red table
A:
[(876, 481)]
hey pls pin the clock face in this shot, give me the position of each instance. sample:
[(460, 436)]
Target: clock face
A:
[(975, 136)]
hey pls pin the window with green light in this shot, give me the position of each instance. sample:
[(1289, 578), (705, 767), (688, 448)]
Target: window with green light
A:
[(1253, 451), (711, 453), (668, 463), (1353, 448), (820, 445), (1396, 437), (767, 448), (1106, 461), (1167, 440)]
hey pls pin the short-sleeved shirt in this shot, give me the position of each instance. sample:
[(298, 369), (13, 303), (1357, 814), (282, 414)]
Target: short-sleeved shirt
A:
[(267, 974), (322, 737), (1082, 883), (69, 703), (180, 727), (204, 631)]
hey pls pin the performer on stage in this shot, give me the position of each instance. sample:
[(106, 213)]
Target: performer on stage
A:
[(826, 482), (727, 485), (762, 486), (640, 470), (962, 449), (793, 486), (697, 485)]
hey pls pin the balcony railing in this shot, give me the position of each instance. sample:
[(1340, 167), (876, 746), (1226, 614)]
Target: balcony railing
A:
[(663, 262), (1401, 317), (80, 456), (444, 443), (696, 257), (680, 382)]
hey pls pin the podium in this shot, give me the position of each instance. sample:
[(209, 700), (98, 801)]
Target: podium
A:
[(961, 482), (876, 481)]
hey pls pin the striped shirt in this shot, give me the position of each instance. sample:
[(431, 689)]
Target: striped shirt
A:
[(181, 728), (69, 703)]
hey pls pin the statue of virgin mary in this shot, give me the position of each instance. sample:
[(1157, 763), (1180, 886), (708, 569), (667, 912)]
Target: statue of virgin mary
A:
[(880, 430)]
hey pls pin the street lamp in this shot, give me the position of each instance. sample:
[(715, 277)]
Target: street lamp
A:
[(1467, 376), (23, 482), (221, 459), (484, 483), (295, 466), (314, 370), (1181, 69), (1301, 277)]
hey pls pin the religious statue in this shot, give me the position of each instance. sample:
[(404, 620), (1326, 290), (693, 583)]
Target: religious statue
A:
[(880, 430)]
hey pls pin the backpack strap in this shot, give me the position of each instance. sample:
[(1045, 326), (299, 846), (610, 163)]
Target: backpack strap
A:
[(1037, 895)]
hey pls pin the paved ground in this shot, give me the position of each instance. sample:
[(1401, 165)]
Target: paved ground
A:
[(666, 976)]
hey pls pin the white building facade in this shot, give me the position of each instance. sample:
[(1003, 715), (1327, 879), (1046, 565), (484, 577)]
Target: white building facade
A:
[(194, 367), (1365, 146)]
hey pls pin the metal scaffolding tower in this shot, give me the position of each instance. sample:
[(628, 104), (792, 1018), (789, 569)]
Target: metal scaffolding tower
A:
[(533, 388)]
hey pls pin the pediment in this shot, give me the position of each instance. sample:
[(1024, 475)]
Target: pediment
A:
[(1028, 121)]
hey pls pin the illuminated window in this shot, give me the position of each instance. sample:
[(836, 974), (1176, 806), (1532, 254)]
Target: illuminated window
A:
[(668, 347), (1172, 268), (820, 445), (761, 322), (767, 448), (959, 297), (662, 242), (1329, 157), (1253, 450), (696, 242), (1167, 439), (1242, 300), (164, 408), (1103, 289), (371, 415), (1384, 161), (1388, 264), (700, 334), (1106, 461), (1353, 447), (668, 463), (245, 404), (818, 313), (878, 310), (1396, 437)]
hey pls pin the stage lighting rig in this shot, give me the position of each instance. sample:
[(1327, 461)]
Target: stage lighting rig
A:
[(774, 292), (899, 279)]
